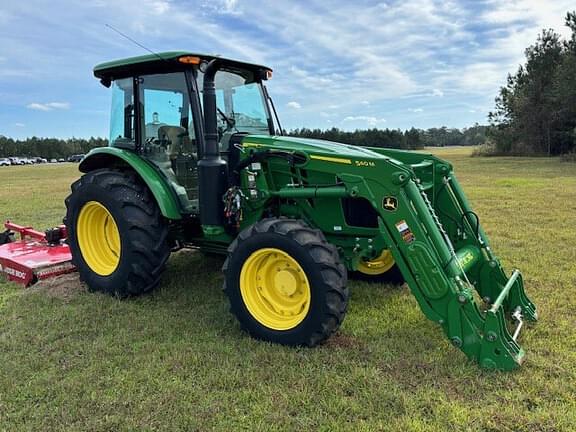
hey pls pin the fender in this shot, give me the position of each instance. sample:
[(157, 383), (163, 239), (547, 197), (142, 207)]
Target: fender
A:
[(105, 157)]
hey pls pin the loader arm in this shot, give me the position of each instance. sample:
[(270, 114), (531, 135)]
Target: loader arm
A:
[(445, 257)]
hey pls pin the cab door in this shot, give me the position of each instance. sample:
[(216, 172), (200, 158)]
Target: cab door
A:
[(169, 133)]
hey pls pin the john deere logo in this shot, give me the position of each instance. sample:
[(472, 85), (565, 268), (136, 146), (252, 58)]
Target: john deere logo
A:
[(390, 203)]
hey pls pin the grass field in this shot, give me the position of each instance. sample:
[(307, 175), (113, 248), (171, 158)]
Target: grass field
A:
[(177, 360)]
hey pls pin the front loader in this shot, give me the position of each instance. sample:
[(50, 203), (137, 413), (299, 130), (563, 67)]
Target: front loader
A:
[(197, 159)]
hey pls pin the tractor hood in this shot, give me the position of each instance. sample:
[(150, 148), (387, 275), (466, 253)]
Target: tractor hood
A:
[(313, 147)]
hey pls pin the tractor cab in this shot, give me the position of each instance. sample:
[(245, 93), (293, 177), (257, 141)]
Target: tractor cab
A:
[(157, 112)]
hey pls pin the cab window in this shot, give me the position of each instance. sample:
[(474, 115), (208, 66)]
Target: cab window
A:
[(122, 114)]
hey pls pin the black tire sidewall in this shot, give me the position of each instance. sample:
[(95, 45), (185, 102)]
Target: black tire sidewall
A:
[(318, 288), (94, 192), (118, 192)]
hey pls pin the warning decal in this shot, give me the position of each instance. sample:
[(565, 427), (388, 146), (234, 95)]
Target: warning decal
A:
[(405, 231)]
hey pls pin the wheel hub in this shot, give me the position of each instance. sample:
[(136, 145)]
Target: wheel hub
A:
[(378, 265), (275, 289), (98, 238), (286, 283)]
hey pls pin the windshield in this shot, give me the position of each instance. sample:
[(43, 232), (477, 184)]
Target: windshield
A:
[(241, 103)]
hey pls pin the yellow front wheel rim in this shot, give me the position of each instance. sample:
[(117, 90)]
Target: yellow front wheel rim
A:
[(98, 238), (275, 289), (377, 266)]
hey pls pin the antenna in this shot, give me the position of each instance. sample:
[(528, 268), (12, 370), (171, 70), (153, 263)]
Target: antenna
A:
[(135, 42)]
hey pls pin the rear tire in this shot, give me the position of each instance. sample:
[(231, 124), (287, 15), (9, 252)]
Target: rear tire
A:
[(286, 283), (117, 235)]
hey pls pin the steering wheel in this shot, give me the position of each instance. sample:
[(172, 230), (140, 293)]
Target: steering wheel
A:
[(230, 122)]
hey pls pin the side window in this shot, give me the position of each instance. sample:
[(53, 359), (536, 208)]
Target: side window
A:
[(122, 115), (167, 123), (162, 108)]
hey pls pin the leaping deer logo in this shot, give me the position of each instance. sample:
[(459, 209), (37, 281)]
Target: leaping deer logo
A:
[(390, 203)]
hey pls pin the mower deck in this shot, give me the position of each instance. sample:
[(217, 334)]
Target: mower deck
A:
[(33, 258)]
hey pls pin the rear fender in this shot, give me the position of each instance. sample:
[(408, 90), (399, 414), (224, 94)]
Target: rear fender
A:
[(110, 157)]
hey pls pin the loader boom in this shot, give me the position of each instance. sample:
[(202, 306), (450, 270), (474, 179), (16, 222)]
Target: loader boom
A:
[(448, 259)]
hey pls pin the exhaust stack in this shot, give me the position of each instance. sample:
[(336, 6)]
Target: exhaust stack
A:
[(212, 169)]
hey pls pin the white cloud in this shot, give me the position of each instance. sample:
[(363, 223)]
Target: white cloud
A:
[(20, 125), (314, 80), (293, 105), (416, 110), (59, 105), (38, 107), (534, 14), (369, 120), (15, 73), (224, 7), (230, 6), (160, 7), (50, 106), (436, 93)]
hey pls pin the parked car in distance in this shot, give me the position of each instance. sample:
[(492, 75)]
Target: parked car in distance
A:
[(39, 160), (53, 161), (15, 161), (5, 162), (75, 158), (61, 160), (25, 161)]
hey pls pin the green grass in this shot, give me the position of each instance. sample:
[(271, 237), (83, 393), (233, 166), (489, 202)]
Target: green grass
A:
[(177, 360)]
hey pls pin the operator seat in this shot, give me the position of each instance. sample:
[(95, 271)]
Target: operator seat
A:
[(169, 156), (173, 138)]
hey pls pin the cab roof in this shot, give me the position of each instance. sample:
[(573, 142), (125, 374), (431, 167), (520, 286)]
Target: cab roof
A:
[(161, 62)]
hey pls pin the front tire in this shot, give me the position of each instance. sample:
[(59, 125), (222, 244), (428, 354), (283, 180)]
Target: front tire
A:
[(286, 283), (117, 235)]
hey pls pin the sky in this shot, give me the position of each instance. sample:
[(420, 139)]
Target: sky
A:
[(345, 64)]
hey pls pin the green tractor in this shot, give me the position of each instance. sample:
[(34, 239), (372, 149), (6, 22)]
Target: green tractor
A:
[(197, 158)]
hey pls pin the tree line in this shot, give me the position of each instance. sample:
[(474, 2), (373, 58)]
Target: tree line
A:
[(411, 139), (535, 112), (49, 148), (54, 148)]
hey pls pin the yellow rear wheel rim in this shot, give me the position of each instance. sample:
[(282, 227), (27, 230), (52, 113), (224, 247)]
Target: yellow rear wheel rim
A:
[(98, 238), (377, 266), (275, 289)]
